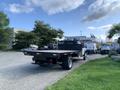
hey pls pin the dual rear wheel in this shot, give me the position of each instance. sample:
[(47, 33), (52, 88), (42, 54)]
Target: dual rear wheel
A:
[(67, 63)]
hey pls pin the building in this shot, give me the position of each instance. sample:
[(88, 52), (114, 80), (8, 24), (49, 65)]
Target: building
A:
[(81, 38)]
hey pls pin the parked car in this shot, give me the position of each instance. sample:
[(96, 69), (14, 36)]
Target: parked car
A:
[(115, 46), (31, 47), (105, 49)]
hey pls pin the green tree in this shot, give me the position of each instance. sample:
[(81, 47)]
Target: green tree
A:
[(2, 36), (24, 39), (6, 37), (46, 34), (42, 34), (115, 30), (5, 32), (4, 21)]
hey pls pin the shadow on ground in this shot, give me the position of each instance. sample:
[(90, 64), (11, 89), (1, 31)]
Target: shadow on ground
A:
[(25, 70)]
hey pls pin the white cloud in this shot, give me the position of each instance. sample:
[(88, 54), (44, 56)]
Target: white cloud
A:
[(104, 27), (57, 6), (101, 8), (17, 8), (97, 10), (103, 31), (49, 6)]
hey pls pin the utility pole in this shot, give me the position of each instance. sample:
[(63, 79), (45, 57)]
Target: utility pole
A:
[(81, 33)]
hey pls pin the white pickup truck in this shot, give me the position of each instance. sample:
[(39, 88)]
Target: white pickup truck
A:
[(91, 48)]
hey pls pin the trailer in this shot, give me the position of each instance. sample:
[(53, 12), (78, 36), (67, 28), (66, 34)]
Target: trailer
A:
[(65, 54)]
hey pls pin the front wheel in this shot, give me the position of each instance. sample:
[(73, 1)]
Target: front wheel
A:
[(67, 63)]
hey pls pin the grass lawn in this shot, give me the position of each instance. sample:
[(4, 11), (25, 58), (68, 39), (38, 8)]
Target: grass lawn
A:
[(101, 74)]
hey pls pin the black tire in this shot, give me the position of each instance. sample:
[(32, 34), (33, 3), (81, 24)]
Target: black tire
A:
[(84, 56), (67, 63), (41, 64)]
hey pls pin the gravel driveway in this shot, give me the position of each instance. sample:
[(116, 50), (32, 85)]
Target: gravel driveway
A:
[(17, 72)]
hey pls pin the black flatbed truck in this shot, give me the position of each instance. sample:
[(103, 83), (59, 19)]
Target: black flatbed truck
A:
[(64, 56)]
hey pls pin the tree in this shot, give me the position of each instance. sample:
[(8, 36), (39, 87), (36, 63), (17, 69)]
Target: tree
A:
[(6, 37), (4, 21), (5, 32), (46, 34), (2, 36), (24, 39), (115, 30), (43, 34)]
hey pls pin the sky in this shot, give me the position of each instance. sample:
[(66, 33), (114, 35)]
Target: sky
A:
[(74, 17)]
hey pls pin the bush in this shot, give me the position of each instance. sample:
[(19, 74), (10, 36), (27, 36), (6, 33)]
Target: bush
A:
[(3, 46), (112, 52)]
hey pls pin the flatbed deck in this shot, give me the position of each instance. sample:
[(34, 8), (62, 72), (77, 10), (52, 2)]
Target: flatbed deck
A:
[(51, 51)]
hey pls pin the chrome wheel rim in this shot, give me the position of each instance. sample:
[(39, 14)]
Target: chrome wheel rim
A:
[(70, 63)]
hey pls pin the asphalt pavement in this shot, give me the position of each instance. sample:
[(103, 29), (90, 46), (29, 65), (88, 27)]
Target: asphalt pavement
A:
[(18, 73)]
